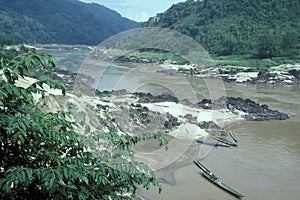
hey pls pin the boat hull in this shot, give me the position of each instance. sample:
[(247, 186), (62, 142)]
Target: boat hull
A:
[(214, 179), (212, 144)]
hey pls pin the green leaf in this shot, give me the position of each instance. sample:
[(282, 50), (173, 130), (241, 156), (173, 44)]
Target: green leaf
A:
[(52, 184), (41, 60), (85, 180), (26, 121), (29, 173), (51, 61), (28, 61), (62, 183), (3, 94), (21, 176), (66, 173), (9, 89), (23, 126), (7, 75)]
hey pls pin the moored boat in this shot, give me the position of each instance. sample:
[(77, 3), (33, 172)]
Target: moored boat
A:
[(232, 136), (214, 179), (223, 140), (212, 143)]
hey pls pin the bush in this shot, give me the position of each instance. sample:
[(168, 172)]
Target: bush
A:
[(43, 157)]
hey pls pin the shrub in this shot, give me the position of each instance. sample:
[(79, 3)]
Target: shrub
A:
[(43, 157)]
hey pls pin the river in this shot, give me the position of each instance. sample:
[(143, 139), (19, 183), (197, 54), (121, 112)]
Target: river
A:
[(266, 164)]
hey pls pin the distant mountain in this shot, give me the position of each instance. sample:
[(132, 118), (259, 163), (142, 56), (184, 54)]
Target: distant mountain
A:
[(260, 28), (59, 21)]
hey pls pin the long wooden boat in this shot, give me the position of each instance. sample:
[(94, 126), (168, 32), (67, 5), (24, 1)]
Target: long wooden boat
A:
[(212, 143), (214, 179), (224, 141), (232, 136)]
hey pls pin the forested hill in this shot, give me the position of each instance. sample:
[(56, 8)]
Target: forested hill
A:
[(260, 28), (59, 21)]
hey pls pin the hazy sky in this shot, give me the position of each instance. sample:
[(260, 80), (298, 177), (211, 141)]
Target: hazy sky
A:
[(138, 10)]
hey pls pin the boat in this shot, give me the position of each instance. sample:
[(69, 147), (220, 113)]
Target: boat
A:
[(223, 140), (214, 179), (232, 136), (212, 143)]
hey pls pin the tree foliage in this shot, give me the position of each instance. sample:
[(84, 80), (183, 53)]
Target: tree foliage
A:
[(60, 21), (262, 29), (43, 157)]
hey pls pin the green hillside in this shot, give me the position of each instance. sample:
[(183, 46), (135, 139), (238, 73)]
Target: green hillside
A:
[(259, 29), (59, 21)]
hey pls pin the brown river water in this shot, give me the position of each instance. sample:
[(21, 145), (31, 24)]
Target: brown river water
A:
[(266, 164)]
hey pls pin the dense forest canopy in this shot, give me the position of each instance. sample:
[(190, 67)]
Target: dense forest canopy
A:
[(258, 28), (59, 21)]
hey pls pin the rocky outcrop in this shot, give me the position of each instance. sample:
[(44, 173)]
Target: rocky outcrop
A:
[(295, 73), (253, 111), (149, 98), (283, 74), (209, 125), (172, 122)]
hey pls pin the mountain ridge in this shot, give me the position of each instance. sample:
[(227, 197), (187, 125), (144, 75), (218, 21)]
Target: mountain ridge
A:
[(61, 21)]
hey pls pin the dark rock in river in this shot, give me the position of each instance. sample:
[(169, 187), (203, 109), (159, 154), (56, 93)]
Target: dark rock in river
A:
[(205, 104), (263, 76), (209, 125), (295, 73), (254, 111), (191, 118), (168, 71), (172, 122), (149, 98), (186, 102)]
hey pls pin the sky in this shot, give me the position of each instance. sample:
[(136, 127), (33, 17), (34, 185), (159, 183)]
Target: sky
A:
[(137, 10)]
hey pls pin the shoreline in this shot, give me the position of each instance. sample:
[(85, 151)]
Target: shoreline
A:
[(286, 74), (114, 100), (280, 74)]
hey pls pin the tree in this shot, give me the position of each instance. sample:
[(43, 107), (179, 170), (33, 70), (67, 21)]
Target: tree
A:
[(269, 45), (261, 29), (4, 41), (43, 157)]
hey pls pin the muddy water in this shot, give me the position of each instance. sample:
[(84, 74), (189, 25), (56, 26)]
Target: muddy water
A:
[(266, 165)]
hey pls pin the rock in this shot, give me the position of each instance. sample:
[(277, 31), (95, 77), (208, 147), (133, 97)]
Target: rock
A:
[(295, 73), (205, 104), (186, 102), (254, 111), (263, 76), (172, 122), (119, 92), (102, 107), (190, 118), (105, 92), (287, 74), (168, 71), (149, 98), (208, 125)]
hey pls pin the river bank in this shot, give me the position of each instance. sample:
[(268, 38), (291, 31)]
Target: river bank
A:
[(275, 74), (287, 74), (133, 113), (268, 153)]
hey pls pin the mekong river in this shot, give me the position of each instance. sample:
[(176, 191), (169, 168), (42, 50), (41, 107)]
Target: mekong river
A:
[(266, 164)]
